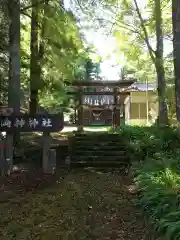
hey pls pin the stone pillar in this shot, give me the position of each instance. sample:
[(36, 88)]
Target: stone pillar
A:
[(80, 112), (122, 114), (2, 156), (46, 142), (115, 116), (75, 109)]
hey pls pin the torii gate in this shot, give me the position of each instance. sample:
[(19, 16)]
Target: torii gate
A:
[(116, 92)]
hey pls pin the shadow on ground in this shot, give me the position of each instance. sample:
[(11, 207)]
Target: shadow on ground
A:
[(81, 204)]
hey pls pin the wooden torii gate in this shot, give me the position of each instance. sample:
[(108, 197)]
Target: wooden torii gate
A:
[(117, 87)]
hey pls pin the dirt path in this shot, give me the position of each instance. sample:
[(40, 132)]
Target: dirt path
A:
[(83, 205)]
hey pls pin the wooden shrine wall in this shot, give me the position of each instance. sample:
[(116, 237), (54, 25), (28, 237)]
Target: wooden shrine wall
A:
[(105, 117)]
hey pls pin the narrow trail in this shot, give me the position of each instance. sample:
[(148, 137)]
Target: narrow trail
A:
[(83, 205)]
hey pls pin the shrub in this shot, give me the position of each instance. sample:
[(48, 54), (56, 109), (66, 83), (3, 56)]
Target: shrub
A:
[(159, 185), (144, 142), (158, 177)]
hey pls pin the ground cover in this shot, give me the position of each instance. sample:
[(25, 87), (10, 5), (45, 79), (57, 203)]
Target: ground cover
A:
[(156, 169), (84, 204)]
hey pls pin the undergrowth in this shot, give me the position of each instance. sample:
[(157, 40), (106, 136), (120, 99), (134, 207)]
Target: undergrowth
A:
[(155, 153)]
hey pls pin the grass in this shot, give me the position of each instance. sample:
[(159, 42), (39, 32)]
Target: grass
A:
[(155, 155), (85, 204), (160, 199), (160, 186)]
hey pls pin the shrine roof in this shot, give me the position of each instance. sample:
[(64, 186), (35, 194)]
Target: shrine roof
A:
[(141, 87), (110, 83)]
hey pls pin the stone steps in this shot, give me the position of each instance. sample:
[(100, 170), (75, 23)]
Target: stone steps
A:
[(98, 150), (99, 158), (99, 164), (98, 142), (97, 139), (104, 148)]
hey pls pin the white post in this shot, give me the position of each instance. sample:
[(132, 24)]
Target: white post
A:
[(139, 111), (147, 103)]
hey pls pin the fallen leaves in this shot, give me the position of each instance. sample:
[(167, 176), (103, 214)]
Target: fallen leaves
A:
[(83, 205)]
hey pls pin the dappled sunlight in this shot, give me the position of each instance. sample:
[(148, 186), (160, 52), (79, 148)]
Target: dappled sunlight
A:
[(97, 85), (88, 129), (171, 179), (86, 204), (133, 188)]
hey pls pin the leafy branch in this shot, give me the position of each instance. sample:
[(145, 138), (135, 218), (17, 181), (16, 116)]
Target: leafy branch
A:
[(146, 37)]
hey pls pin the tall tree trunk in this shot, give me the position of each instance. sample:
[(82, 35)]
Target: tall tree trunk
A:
[(37, 52), (14, 73), (46, 135), (14, 56), (34, 61), (157, 58), (37, 55), (159, 64), (41, 41), (176, 48)]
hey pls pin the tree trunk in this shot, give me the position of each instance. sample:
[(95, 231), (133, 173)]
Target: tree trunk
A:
[(159, 64), (14, 73), (157, 58), (176, 48), (37, 54), (46, 135), (34, 61), (14, 56)]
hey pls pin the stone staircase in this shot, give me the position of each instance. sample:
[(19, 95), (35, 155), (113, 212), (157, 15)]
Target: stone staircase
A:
[(98, 150)]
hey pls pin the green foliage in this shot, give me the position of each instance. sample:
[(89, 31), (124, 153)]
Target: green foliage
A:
[(157, 175), (171, 102), (130, 37), (92, 69), (146, 142), (3, 52), (64, 54), (159, 183)]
